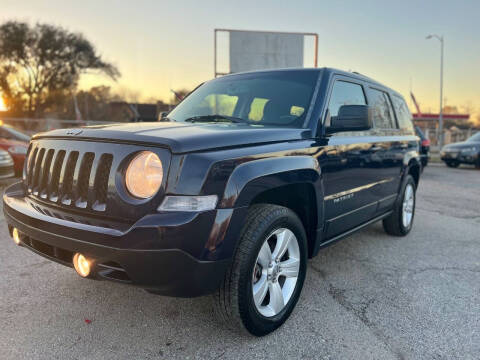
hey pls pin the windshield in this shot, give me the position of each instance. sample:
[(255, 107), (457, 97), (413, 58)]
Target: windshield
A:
[(15, 134), (474, 138), (269, 99)]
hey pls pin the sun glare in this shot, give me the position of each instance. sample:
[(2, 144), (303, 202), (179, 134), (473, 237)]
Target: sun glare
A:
[(3, 107)]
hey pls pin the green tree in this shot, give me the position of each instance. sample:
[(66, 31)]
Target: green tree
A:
[(41, 64)]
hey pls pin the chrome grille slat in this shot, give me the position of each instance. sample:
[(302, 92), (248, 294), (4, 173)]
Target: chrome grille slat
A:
[(101, 182), (84, 180), (42, 190), (36, 171), (55, 178), (31, 164), (69, 178), (67, 183)]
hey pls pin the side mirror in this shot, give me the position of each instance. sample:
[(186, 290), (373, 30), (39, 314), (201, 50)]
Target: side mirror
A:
[(163, 116), (351, 118)]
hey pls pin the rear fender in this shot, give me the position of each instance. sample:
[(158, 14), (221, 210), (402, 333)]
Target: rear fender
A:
[(411, 159)]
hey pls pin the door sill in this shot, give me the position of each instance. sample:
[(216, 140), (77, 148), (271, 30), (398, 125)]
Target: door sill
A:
[(355, 229)]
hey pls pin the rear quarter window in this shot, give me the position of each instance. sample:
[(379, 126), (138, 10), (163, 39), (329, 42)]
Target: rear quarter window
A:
[(404, 116), (383, 117)]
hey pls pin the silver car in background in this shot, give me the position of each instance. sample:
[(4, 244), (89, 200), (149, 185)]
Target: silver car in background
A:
[(6, 165)]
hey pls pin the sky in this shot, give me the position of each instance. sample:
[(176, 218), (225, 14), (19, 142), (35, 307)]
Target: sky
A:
[(159, 45)]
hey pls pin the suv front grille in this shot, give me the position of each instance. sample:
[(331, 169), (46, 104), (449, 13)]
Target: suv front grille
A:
[(69, 178)]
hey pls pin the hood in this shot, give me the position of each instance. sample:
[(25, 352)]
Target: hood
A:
[(182, 137), (461, 145)]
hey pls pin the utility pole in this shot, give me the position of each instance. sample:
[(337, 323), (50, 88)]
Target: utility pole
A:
[(440, 116)]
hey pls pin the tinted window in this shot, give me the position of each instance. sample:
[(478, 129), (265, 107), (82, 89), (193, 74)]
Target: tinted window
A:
[(382, 110), (345, 93), (404, 116), (273, 99)]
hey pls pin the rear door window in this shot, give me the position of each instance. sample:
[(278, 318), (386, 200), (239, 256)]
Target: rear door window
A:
[(383, 117), (404, 116)]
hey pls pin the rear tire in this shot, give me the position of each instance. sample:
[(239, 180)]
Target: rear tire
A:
[(263, 285), (400, 222)]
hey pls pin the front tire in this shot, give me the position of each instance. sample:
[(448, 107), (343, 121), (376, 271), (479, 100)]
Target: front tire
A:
[(452, 164), (263, 285), (400, 222)]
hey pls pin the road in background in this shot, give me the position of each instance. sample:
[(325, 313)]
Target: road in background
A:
[(369, 296)]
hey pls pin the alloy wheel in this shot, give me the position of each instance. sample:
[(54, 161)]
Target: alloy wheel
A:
[(408, 205), (276, 271)]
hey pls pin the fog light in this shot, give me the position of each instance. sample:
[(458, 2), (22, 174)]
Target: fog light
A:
[(83, 266), (16, 236)]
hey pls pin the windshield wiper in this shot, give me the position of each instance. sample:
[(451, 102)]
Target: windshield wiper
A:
[(216, 118)]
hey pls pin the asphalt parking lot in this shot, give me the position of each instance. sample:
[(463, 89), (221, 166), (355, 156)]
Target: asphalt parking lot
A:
[(369, 296)]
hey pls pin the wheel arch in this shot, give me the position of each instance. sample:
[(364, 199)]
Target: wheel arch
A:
[(412, 166), (414, 169), (301, 199), (291, 181)]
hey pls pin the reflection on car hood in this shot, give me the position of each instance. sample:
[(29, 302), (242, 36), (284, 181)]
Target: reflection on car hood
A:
[(183, 137)]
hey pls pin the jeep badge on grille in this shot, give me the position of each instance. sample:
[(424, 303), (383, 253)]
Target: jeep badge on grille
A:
[(74, 131)]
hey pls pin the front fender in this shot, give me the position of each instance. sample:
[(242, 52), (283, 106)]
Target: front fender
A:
[(250, 179)]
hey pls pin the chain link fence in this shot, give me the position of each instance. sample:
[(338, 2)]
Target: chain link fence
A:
[(33, 126)]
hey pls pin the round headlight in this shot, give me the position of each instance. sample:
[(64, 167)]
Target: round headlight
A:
[(144, 175)]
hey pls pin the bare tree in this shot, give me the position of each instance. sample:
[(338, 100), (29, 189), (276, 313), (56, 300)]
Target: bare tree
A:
[(40, 64)]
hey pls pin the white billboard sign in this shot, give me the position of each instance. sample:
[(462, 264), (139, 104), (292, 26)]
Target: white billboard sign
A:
[(250, 50)]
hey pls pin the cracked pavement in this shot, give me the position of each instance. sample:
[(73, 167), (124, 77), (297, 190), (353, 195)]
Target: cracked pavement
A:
[(369, 296)]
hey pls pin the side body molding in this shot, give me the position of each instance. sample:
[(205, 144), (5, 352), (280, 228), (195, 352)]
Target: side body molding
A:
[(267, 173)]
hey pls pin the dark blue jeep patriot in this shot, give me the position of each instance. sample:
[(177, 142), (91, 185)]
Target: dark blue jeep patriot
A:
[(230, 193)]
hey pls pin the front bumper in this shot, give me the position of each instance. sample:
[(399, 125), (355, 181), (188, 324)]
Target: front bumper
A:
[(467, 158), (174, 254)]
